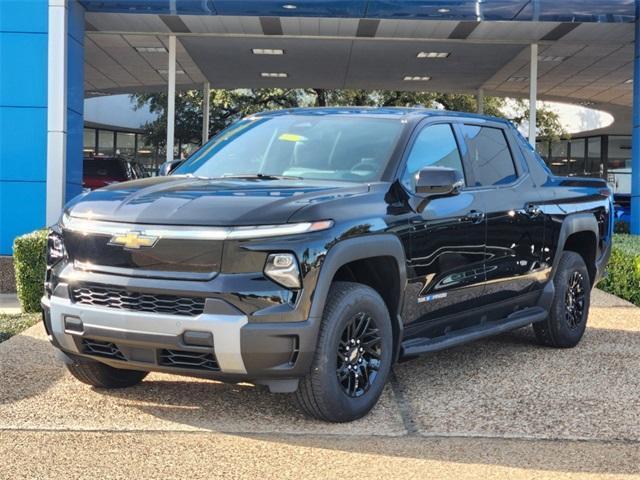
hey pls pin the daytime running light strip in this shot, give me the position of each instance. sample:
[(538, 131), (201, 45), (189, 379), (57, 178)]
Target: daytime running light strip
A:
[(178, 232)]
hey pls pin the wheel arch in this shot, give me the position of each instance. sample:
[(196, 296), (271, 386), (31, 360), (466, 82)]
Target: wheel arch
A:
[(355, 251), (575, 235)]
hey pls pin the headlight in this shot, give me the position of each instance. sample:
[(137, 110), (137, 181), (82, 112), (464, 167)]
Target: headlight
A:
[(55, 248), (283, 268)]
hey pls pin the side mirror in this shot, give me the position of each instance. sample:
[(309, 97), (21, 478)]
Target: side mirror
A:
[(167, 167), (438, 182)]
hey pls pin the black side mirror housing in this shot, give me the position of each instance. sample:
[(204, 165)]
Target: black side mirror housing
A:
[(438, 182)]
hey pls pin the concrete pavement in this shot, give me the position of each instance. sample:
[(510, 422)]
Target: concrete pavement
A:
[(9, 303), (501, 408)]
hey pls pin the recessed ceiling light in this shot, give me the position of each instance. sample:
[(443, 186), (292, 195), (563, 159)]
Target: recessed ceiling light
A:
[(518, 79), (267, 51), (416, 78), (551, 58), (166, 72), (443, 10), (273, 75), (289, 6), (433, 54), (151, 49), (629, 81)]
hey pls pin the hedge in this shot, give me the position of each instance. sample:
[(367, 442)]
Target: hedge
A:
[(30, 262), (623, 271)]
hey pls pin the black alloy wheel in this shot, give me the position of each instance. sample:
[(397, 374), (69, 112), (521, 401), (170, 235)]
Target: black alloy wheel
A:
[(359, 354), (574, 300), (569, 310)]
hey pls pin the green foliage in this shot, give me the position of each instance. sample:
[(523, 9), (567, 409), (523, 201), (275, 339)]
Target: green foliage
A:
[(227, 106), (12, 324), (29, 258), (547, 121), (623, 271)]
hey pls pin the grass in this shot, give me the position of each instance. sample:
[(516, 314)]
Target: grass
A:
[(13, 323)]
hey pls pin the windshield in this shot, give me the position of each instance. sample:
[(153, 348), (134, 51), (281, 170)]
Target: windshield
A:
[(327, 147)]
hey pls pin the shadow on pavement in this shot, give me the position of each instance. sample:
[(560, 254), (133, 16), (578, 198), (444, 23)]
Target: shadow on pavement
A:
[(549, 456), (28, 368)]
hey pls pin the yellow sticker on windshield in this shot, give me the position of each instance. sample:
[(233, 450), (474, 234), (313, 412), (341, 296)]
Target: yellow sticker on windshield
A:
[(291, 137)]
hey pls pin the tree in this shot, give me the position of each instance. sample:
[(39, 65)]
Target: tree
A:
[(228, 106), (548, 124)]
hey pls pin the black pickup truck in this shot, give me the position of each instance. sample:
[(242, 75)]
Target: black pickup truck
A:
[(308, 250)]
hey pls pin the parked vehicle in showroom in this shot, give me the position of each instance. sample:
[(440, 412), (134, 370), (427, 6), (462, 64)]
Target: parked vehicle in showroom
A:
[(310, 249), (101, 171)]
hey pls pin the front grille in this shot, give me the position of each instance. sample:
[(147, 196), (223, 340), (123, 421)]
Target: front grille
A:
[(101, 349), (186, 359), (139, 302)]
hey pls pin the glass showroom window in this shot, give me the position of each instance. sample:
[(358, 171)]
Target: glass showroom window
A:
[(559, 161), (89, 142), (576, 162), (542, 147), (126, 144), (619, 163), (106, 143), (146, 154), (594, 165)]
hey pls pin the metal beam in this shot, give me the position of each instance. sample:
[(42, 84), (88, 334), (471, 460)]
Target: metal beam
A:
[(171, 98), (56, 111), (635, 142), (533, 93), (480, 100), (206, 101)]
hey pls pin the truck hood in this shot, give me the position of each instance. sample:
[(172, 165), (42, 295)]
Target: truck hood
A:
[(184, 200)]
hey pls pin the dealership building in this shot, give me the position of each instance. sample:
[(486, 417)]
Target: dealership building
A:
[(56, 53)]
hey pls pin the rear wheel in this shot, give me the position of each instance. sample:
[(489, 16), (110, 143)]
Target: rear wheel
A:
[(103, 376), (353, 356), (567, 320)]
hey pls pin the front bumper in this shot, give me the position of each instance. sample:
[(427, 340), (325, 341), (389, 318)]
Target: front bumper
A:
[(229, 346)]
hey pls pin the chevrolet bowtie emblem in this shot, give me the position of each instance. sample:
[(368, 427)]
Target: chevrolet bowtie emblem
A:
[(133, 240)]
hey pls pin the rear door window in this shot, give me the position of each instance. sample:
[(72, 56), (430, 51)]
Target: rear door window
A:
[(490, 155)]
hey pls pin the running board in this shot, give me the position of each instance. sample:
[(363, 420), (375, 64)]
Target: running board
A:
[(522, 318)]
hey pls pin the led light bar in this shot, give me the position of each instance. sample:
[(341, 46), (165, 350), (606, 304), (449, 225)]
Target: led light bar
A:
[(178, 232)]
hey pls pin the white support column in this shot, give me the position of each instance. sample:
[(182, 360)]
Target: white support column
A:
[(171, 98), (206, 100), (480, 101), (56, 110), (533, 93)]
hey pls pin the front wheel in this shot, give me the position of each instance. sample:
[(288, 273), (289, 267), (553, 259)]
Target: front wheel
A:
[(567, 318), (353, 356)]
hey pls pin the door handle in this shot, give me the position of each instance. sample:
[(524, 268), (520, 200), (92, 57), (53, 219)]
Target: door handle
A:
[(474, 216)]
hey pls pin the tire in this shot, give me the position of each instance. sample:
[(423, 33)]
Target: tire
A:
[(569, 311), (103, 376), (351, 308)]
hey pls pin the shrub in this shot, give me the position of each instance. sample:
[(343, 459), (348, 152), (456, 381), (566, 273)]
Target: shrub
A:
[(623, 271), (29, 258)]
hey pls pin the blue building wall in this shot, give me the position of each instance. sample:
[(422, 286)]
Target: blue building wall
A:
[(23, 114)]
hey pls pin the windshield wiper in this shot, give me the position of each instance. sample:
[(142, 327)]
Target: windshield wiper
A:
[(262, 176)]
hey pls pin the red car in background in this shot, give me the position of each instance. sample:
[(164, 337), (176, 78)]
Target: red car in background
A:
[(102, 171)]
